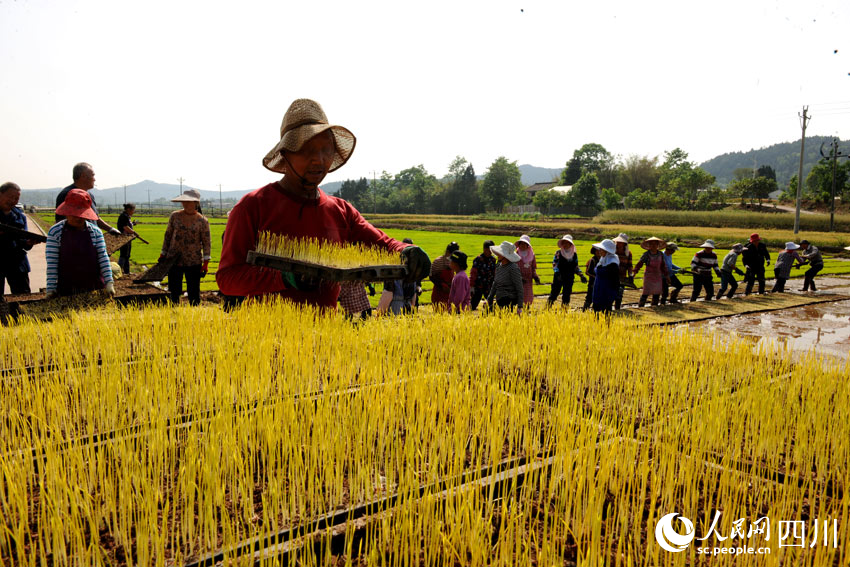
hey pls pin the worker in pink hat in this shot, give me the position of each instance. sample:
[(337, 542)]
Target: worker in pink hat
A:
[(77, 261)]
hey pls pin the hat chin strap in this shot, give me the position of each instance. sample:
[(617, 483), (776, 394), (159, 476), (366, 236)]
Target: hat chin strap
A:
[(304, 183)]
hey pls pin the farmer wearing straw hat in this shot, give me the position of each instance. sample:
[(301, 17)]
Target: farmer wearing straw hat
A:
[(565, 268), (755, 258), (624, 257), (507, 289), (77, 261), (187, 239), (702, 265), (309, 148), (782, 269), (607, 284), (656, 270), (672, 270), (727, 278)]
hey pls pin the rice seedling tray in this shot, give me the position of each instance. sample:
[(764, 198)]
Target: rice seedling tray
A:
[(328, 273), (114, 242), (158, 272), (40, 238)]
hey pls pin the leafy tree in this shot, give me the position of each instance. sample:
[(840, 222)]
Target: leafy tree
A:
[(585, 194), (416, 188), (589, 158), (547, 200), (637, 172), (502, 184), (638, 199), (742, 173), (752, 188), (819, 181), (682, 177), (668, 200), (355, 192), (611, 199), (766, 171), (461, 194)]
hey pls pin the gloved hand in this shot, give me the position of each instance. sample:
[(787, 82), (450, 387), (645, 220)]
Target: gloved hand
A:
[(114, 231), (583, 279), (110, 288), (204, 269), (418, 263)]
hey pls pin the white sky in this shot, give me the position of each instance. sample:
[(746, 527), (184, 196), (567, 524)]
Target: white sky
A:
[(159, 90)]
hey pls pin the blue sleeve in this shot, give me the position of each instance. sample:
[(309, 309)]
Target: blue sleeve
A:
[(100, 249), (51, 253)]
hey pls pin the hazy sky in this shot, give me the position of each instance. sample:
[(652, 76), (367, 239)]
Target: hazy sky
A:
[(161, 90)]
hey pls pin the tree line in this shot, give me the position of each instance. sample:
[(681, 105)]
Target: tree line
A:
[(598, 180)]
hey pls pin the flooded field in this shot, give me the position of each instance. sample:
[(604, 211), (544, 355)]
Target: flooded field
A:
[(824, 327)]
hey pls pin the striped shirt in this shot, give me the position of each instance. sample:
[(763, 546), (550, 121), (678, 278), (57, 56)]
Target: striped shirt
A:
[(54, 239), (507, 282), (704, 262)]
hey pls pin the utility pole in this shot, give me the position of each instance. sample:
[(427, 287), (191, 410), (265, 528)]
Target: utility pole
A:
[(803, 118), (150, 209), (181, 180), (220, 205), (125, 192), (834, 154)]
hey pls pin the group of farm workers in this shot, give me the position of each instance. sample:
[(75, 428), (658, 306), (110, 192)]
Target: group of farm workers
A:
[(308, 149)]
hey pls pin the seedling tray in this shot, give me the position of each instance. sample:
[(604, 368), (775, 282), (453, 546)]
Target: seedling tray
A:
[(114, 242), (14, 231), (328, 273), (158, 272)]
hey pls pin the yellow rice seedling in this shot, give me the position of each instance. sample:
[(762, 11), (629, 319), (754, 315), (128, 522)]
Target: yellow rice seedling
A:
[(296, 413), (325, 252)]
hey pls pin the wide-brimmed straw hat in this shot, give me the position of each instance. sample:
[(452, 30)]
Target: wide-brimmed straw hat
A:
[(737, 247), (791, 246), (303, 120), (607, 245), (506, 250), (187, 196), (708, 244), (567, 238), (645, 243), (622, 237), (77, 203)]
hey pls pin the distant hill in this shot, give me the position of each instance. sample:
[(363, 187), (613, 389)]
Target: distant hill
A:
[(784, 158), (532, 174)]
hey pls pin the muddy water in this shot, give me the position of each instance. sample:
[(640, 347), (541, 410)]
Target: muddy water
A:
[(824, 327)]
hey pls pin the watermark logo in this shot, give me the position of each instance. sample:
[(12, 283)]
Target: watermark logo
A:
[(667, 536)]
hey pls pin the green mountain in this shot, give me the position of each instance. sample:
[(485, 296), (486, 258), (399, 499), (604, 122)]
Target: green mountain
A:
[(784, 158)]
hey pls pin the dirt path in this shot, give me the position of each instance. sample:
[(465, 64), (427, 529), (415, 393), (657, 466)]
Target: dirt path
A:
[(788, 209)]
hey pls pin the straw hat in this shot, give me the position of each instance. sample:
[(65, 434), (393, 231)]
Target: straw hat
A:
[(567, 238), (188, 195), (708, 244), (791, 246), (77, 204), (303, 120), (622, 237), (607, 245), (645, 243), (506, 250), (738, 247)]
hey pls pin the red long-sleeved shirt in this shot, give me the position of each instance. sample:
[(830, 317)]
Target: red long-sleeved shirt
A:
[(271, 209)]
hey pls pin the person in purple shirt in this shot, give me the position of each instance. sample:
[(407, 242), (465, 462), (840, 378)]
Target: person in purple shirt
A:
[(459, 292)]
